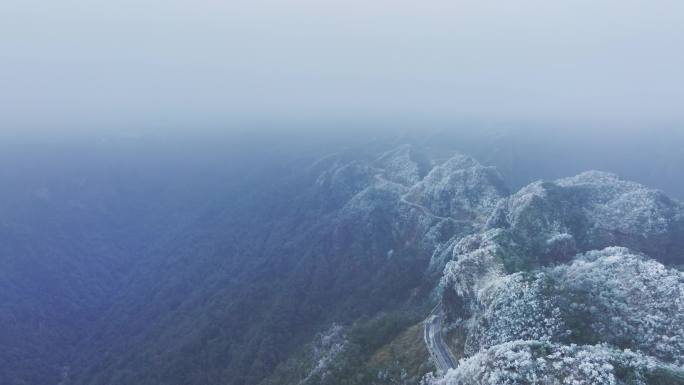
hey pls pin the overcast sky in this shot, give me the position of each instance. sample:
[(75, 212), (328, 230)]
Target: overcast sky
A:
[(116, 63)]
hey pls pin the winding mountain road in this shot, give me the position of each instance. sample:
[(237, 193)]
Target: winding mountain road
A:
[(420, 207), (434, 340), (432, 326)]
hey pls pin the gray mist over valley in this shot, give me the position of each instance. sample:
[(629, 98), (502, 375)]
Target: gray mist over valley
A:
[(341, 193)]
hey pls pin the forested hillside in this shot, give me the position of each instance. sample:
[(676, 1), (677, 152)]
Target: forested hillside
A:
[(266, 260)]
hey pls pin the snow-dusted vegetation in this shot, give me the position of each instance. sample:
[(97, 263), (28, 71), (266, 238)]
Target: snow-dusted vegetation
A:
[(460, 188), (536, 362), (533, 289), (325, 350), (550, 222), (541, 298), (629, 300), (609, 296), (515, 307)]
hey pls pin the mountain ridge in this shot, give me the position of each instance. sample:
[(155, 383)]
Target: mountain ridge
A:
[(320, 271)]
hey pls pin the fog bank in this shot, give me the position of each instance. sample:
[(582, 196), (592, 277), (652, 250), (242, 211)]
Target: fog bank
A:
[(85, 65)]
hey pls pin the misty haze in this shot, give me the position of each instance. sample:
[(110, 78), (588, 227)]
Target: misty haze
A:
[(342, 193)]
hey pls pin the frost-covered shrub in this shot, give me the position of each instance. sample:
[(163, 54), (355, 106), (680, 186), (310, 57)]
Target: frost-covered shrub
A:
[(625, 206), (610, 296), (467, 273), (589, 211), (326, 348), (475, 266), (631, 301), (516, 307), (536, 362), (602, 300), (559, 247), (460, 188)]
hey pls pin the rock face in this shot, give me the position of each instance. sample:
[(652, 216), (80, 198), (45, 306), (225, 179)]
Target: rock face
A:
[(544, 279)]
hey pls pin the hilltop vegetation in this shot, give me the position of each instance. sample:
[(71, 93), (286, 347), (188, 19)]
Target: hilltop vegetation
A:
[(535, 303)]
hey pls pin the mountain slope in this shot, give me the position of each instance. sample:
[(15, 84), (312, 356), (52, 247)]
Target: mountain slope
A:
[(269, 268), (532, 286), (334, 243)]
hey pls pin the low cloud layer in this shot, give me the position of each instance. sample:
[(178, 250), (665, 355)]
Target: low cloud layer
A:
[(96, 64)]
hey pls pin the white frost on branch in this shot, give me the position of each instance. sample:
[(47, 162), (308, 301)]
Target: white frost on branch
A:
[(630, 299), (538, 362), (325, 350)]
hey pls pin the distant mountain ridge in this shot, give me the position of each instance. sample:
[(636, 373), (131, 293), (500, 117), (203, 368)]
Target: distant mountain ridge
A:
[(544, 225), (321, 272)]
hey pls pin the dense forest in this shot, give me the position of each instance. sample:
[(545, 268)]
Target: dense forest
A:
[(244, 259)]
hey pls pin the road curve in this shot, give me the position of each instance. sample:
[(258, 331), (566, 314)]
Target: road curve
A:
[(434, 340), (422, 208)]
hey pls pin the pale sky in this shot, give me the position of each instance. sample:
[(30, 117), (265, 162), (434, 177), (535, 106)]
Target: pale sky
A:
[(130, 62)]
